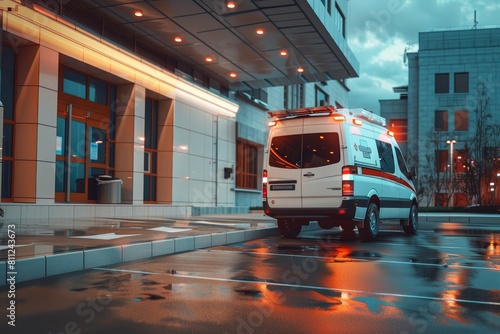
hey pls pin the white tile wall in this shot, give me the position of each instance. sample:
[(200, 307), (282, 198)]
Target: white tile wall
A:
[(180, 165), (47, 107), (45, 180)]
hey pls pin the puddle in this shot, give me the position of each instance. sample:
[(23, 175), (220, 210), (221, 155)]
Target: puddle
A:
[(364, 254), (149, 296)]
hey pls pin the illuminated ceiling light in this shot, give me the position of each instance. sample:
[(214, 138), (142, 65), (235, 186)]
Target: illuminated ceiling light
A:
[(138, 13), (233, 75), (178, 39), (260, 31), (209, 59), (284, 53), (300, 69), (231, 4)]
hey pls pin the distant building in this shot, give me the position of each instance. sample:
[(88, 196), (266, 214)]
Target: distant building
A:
[(439, 111)]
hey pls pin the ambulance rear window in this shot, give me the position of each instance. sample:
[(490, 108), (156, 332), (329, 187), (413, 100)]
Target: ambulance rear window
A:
[(310, 150)]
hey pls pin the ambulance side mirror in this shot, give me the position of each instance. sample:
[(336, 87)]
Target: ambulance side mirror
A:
[(412, 175)]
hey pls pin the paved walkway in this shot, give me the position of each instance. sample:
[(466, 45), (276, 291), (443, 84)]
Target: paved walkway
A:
[(46, 248)]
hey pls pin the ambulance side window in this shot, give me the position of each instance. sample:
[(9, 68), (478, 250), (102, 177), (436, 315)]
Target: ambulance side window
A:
[(386, 156), (401, 162)]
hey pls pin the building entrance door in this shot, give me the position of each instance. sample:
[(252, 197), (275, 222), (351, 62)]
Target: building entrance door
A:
[(82, 154)]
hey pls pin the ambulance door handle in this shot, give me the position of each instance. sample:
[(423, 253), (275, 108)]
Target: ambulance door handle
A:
[(309, 174)]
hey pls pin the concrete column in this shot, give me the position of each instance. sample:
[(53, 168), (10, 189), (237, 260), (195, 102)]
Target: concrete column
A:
[(165, 151), (36, 122), (129, 149)]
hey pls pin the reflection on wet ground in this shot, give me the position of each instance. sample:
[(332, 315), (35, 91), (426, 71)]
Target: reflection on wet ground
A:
[(40, 238)]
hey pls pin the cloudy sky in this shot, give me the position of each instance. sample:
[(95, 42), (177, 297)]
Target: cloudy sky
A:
[(379, 31)]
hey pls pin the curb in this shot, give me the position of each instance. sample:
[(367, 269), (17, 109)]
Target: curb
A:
[(63, 263)]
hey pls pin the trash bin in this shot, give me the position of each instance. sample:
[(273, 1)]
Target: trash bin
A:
[(110, 189)]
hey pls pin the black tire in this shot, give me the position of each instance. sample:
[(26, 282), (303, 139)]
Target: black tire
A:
[(412, 221), (289, 228), (371, 223)]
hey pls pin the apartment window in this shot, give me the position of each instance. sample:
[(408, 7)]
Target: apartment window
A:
[(461, 120), (441, 160), (329, 7), (462, 82), (442, 83), (441, 120), (247, 164), (400, 129), (150, 150), (322, 99)]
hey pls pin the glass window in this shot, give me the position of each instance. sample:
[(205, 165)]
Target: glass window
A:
[(147, 187), (93, 173), (322, 99), (400, 129), (78, 139), (462, 82), (61, 136), (441, 120), (308, 151), (97, 145), (442, 83), (285, 152), (386, 156), (7, 179), (247, 164), (320, 149), (461, 120), (441, 160), (8, 130), (60, 176), (98, 91), (339, 20), (7, 83), (74, 83), (401, 162), (77, 177)]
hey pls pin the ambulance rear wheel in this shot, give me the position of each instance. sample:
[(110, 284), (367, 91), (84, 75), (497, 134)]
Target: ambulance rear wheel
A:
[(371, 223), (289, 228), (412, 221)]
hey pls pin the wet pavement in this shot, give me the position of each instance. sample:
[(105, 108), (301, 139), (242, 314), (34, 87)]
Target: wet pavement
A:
[(444, 279), (57, 246)]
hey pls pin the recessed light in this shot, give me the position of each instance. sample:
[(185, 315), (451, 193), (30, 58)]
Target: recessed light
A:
[(300, 69), (284, 53), (209, 59), (231, 4), (260, 31), (178, 39), (233, 75), (138, 13)]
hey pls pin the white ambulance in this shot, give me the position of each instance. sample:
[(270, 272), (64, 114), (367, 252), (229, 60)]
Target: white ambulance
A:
[(338, 167)]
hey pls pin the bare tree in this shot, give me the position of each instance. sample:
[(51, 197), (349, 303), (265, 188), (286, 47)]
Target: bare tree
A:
[(433, 180), (482, 148)]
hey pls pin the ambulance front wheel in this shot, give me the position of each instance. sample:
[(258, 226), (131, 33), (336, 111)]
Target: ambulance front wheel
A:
[(289, 228), (369, 231)]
